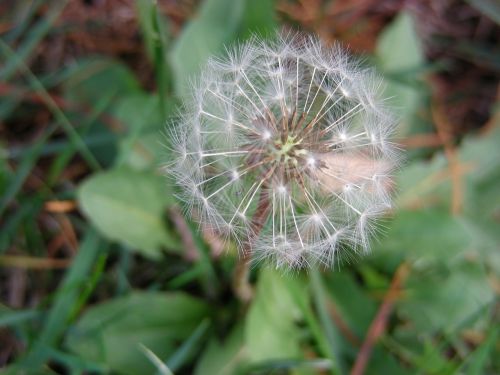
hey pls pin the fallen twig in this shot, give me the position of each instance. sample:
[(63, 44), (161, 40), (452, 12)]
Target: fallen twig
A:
[(33, 262), (57, 206), (443, 131)]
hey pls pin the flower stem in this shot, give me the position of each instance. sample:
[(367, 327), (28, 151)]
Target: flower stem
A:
[(241, 283)]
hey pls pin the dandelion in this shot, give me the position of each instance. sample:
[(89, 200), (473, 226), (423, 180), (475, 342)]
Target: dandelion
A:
[(285, 146)]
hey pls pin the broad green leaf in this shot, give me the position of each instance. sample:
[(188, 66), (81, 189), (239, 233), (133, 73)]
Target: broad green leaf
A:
[(490, 8), (383, 362), (482, 183), (398, 47), (259, 18), (432, 237), (440, 299), (270, 328), (111, 333), (482, 156), (483, 153), (399, 50), (142, 147), (129, 206), (426, 186), (428, 183), (144, 151), (431, 232), (99, 77), (141, 114), (214, 26), (424, 183), (353, 304)]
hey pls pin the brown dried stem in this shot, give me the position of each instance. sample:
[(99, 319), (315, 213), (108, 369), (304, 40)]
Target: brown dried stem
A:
[(443, 128), (379, 323)]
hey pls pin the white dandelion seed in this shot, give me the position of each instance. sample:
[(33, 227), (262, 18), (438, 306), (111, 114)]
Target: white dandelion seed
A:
[(286, 146)]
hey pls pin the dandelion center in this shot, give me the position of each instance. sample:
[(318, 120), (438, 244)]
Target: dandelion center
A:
[(291, 152)]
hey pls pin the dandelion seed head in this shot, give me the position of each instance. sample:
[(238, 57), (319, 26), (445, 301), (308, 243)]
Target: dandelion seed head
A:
[(298, 125)]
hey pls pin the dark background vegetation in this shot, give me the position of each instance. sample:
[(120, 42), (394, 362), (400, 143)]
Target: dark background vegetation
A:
[(100, 272)]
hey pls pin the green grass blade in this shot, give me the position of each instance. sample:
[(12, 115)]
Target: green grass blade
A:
[(58, 147), (65, 156), (478, 359), (66, 298), (12, 317), (35, 83), (162, 368), (208, 276), (89, 286), (312, 322), (17, 93), (27, 208), (23, 21), (77, 365), (331, 332), (188, 348), (274, 366), (36, 34), (24, 169), (160, 59)]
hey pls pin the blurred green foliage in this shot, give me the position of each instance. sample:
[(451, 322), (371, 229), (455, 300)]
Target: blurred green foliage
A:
[(297, 324)]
